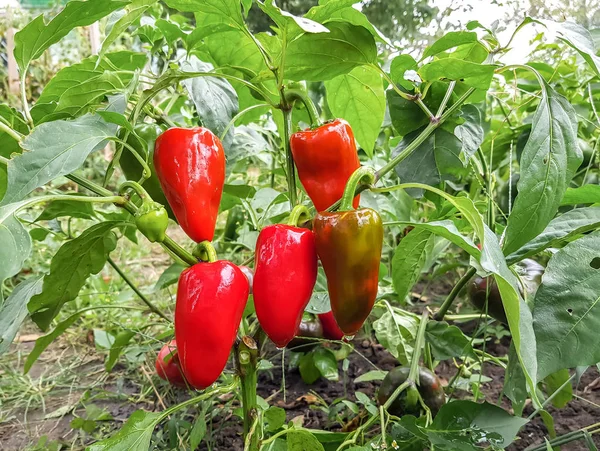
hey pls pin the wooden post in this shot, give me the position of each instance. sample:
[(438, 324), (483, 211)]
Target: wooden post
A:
[(13, 73)]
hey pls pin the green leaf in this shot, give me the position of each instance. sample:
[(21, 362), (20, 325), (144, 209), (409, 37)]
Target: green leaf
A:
[(566, 313), (435, 160), (72, 208), (121, 341), (471, 74), (169, 276), (74, 262), (515, 383), (55, 149), (275, 418), (14, 310), (358, 97), (470, 133), (398, 68), (15, 248), (462, 425), (323, 56), (554, 382), (324, 360), (562, 228), (229, 10), (548, 163), (43, 342), (447, 341), (199, 430), (409, 260), (300, 440), (586, 194), (215, 99), (289, 22), (396, 330), (135, 435), (450, 40), (9, 145), (37, 36), (375, 375), (133, 12), (308, 371), (447, 229)]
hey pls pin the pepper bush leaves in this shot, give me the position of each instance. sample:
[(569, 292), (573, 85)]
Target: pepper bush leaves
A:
[(16, 245), (55, 148), (548, 163), (566, 312), (409, 259), (74, 262)]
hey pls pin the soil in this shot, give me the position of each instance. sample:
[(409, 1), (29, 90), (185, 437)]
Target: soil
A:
[(302, 403)]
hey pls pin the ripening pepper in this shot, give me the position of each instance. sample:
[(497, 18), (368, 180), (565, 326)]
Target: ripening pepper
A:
[(308, 328), (331, 330), (152, 220), (133, 169), (190, 163), (167, 364), (211, 297), (349, 244), (285, 273), (325, 158)]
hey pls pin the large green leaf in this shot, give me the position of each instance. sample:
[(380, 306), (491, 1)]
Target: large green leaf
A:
[(564, 227), (409, 259), (447, 341), (548, 163), (135, 435), (299, 440), (215, 99), (358, 97), (566, 311), (450, 40), (55, 148), (229, 10), (470, 132), (16, 245), (471, 74), (37, 36), (323, 56), (586, 194), (74, 262), (14, 310), (447, 229), (463, 425), (9, 145), (287, 22)]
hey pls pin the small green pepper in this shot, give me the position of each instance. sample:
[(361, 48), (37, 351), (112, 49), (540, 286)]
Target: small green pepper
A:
[(152, 220)]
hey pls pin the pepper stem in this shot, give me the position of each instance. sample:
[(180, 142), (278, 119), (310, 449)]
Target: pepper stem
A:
[(135, 187), (363, 175), (291, 95), (297, 213), (205, 252)]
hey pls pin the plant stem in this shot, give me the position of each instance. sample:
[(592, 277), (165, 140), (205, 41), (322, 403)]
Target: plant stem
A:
[(291, 95), (10, 132), (450, 299), (446, 99), (24, 99), (363, 175), (240, 114), (429, 114), (290, 172), (246, 354), (135, 289)]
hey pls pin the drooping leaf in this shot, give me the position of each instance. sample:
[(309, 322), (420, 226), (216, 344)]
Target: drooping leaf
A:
[(447, 229), (74, 262), (559, 388), (548, 163), (55, 149), (323, 56), (566, 311), (358, 97), (409, 259), (14, 310), (37, 36), (215, 99)]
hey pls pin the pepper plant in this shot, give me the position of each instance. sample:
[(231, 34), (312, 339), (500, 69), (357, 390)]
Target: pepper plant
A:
[(441, 136)]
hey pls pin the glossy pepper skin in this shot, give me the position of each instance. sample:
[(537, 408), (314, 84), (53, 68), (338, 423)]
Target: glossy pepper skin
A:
[(167, 364), (285, 272), (190, 163), (309, 328), (325, 158), (331, 330), (210, 302), (349, 244), (133, 169), (152, 220)]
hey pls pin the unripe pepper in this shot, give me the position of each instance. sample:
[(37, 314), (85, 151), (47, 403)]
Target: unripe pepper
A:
[(133, 169), (331, 330), (211, 297), (325, 158), (167, 365), (190, 163), (152, 220), (285, 273), (349, 244)]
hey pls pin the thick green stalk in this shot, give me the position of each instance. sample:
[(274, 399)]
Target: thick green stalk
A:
[(291, 95), (246, 361), (439, 316), (289, 159)]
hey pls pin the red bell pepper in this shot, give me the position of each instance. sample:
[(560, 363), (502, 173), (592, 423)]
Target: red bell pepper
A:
[(285, 273), (325, 158), (190, 164), (167, 364), (211, 297), (331, 330)]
